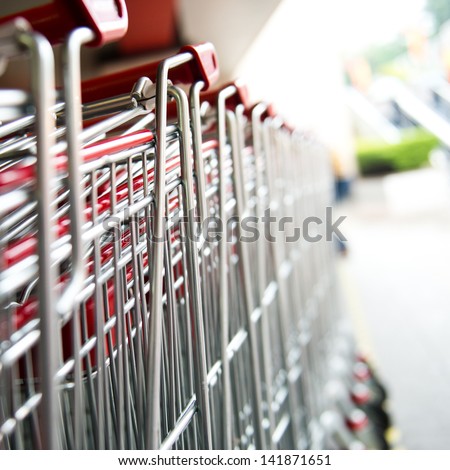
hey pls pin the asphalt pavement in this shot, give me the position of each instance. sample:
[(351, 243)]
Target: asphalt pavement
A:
[(396, 284)]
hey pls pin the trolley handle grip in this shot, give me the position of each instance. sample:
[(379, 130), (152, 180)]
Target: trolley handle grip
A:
[(203, 66), (240, 97), (108, 19)]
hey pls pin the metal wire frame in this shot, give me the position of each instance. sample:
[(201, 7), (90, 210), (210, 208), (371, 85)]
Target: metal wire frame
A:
[(105, 337), (280, 270), (237, 352), (180, 425), (24, 372), (163, 91), (312, 269), (225, 269), (187, 172), (256, 310), (242, 301), (18, 411)]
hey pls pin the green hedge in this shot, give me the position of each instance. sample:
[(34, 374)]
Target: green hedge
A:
[(375, 156)]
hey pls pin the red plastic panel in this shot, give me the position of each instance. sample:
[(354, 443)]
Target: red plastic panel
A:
[(203, 66), (152, 26)]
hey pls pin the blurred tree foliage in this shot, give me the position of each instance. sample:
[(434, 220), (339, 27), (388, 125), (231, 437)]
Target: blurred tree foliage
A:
[(376, 156), (440, 10), (382, 54)]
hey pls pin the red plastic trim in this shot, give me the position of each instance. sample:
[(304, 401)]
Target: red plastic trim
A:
[(24, 171), (357, 423), (360, 397), (361, 371)]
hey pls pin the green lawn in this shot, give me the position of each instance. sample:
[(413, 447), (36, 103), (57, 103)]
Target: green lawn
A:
[(375, 156)]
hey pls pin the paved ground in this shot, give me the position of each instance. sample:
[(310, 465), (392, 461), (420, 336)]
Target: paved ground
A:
[(397, 283)]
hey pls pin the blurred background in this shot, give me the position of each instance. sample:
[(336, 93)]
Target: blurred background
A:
[(371, 79)]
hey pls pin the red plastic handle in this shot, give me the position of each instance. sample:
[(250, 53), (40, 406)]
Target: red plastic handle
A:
[(203, 66), (241, 96), (108, 19)]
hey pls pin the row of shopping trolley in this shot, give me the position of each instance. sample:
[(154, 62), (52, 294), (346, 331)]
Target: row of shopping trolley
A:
[(150, 297)]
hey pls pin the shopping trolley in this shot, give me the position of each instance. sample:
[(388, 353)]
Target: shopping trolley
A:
[(124, 323), (112, 304), (293, 308), (29, 306), (180, 267), (260, 368), (226, 269), (103, 346)]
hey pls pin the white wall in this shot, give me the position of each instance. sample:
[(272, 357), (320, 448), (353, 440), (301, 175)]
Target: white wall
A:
[(231, 25), (295, 63)]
